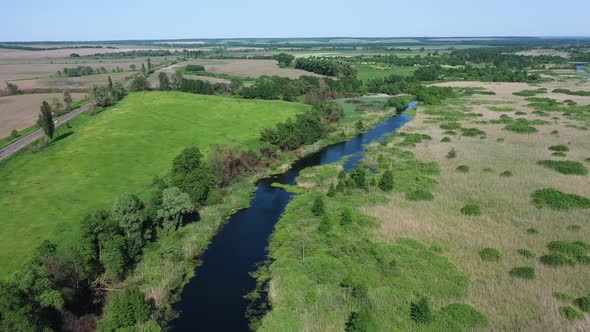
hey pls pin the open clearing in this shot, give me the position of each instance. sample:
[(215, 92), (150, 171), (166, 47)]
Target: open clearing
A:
[(20, 111), (44, 195), (507, 210), (250, 68)]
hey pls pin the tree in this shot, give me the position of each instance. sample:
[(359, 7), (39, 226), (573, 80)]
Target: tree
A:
[(452, 153), (359, 125), (57, 107), (164, 81), (149, 65), (110, 84), (358, 177), (331, 191), (113, 256), (14, 133), (132, 67), (325, 224), (176, 81), (192, 175), (12, 88), (143, 69), (318, 207), (45, 120), (175, 206), (139, 83), (68, 100), (127, 211), (386, 181), (284, 58)]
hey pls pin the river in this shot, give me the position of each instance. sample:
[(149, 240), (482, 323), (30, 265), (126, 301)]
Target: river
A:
[(213, 300)]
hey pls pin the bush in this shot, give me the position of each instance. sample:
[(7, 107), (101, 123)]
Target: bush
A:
[(421, 311), (555, 132), (488, 170), (532, 231), (463, 168), (346, 217), (574, 228), (500, 139), (555, 199), (559, 154), (526, 253), (583, 259), (446, 139), (471, 210), (318, 207), (14, 133), (471, 132), (524, 272), (450, 132), (465, 315), (192, 175), (583, 303), (506, 174), (452, 153), (124, 310), (557, 259), (564, 167), (419, 195), (570, 313), (563, 296), (560, 148), (568, 248), (386, 181), (490, 254), (193, 68)]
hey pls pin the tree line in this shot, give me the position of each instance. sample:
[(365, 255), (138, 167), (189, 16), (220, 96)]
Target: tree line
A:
[(326, 67)]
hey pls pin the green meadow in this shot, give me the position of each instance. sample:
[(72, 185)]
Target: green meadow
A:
[(43, 195)]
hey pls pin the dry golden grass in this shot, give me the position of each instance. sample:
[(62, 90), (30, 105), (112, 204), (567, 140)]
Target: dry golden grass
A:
[(507, 212), (250, 68)]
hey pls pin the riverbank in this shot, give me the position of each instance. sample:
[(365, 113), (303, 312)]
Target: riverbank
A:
[(169, 264)]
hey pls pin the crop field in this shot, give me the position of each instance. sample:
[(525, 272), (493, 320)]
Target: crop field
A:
[(44, 195), (498, 170), (20, 111), (63, 52), (379, 71), (250, 68)]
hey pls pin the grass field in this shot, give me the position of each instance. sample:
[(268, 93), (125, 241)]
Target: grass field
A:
[(43, 195), (509, 221), (379, 71)]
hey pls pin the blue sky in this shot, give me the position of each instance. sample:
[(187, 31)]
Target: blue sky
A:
[(34, 20)]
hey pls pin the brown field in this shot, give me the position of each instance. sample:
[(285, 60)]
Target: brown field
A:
[(20, 111), (250, 68), (507, 212), (61, 53)]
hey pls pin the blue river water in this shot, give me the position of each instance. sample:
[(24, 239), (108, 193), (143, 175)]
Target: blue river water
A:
[(213, 300)]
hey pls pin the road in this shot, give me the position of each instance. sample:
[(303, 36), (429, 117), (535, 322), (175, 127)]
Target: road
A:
[(12, 148)]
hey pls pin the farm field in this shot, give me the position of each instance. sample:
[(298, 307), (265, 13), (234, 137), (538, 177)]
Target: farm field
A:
[(250, 68), (379, 71), (21, 111), (44, 195)]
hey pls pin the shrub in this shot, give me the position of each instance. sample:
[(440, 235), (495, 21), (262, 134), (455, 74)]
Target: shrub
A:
[(192, 175), (471, 210), (463, 168), (560, 148), (488, 170), (465, 315), (500, 139), (555, 132), (563, 296), (419, 195), (564, 167), (521, 127), (14, 133), (506, 174), (583, 259), (557, 259), (450, 132), (471, 132), (446, 139), (490, 254), (452, 153), (346, 217), (570, 313), (520, 113), (421, 311), (124, 310), (568, 248), (559, 154), (574, 228), (325, 224), (193, 68), (386, 181), (318, 207), (526, 253), (524, 272), (583, 303), (532, 231), (450, 126), (555, 199)]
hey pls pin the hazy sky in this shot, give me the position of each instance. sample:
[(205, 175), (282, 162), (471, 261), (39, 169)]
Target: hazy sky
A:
[(34, 20)]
